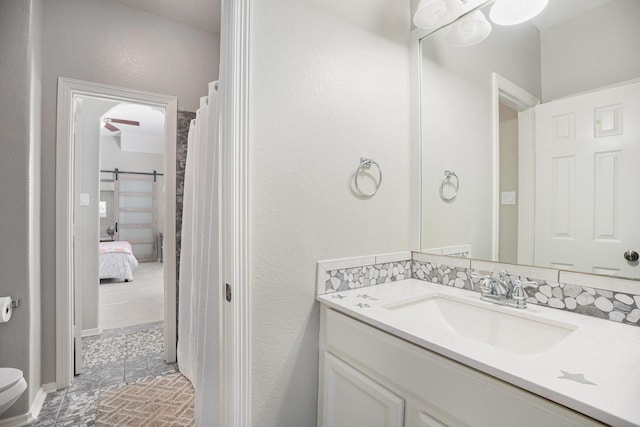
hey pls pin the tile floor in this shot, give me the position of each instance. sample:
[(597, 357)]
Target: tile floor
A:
[(113, 359)]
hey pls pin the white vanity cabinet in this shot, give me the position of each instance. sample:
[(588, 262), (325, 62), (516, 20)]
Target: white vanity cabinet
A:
[(369, 377), (352, 398)]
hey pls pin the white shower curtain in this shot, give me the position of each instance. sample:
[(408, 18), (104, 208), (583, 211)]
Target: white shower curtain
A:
[(199, 292)]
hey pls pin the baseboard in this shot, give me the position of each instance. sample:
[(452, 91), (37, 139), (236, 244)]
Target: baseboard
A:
[(29, 417), (49, 387), (91, 332), (38, 401)]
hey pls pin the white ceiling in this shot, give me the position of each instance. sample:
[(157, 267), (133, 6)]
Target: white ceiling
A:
[(558, 11), (205, 14), (201, 14)]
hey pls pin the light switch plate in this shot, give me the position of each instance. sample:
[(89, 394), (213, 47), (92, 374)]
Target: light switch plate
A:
[(84, 199), (508, 197)]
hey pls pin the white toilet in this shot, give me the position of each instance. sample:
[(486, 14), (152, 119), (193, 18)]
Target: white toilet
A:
[(12, 385)]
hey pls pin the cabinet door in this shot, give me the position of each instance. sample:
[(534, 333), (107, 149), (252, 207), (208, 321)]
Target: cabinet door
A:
[(418, 416), (426, 420), (350, 398)]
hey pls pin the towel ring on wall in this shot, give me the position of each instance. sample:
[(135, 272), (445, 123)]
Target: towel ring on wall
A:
[(448, 175), (365, 164)]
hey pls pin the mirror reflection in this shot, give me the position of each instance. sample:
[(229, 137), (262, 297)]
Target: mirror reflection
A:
[(539, 123)]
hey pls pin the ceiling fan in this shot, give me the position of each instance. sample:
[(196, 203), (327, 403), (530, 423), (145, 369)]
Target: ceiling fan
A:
[(108, 123)]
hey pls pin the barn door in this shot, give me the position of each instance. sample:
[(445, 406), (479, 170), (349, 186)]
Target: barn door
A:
[(137, 222)]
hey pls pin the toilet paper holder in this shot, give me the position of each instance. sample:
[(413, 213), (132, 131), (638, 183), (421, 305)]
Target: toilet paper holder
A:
[(7, 305)]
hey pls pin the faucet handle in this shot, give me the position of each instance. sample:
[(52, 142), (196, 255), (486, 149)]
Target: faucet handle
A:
[(519, 286), (481, 276), (485, 282)]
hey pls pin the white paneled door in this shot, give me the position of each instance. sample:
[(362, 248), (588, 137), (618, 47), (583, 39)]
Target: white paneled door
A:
[(587, 181)]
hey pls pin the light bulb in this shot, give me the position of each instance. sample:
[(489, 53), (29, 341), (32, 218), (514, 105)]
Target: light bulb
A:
[(469, 31), (436, 13), (512, 12)]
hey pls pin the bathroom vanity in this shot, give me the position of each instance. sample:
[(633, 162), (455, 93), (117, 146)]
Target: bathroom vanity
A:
[(414, 353), (514, 167)]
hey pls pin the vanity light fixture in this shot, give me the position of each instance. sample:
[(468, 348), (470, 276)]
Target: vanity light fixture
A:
[(433, 14), (469, 30), (512, 12)]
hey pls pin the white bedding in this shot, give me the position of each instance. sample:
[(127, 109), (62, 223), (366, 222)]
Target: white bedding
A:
[(117, 260)]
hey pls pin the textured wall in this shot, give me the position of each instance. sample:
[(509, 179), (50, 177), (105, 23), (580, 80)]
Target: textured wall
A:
[(20, 102), (104, 42), (87, 216), (329, 84)]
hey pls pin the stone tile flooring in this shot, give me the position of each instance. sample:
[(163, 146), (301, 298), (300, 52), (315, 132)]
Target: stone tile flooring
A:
[(111, 360)]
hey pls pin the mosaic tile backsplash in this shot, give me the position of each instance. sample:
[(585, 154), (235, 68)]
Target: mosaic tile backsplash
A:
[(616, 306), (368, 275)]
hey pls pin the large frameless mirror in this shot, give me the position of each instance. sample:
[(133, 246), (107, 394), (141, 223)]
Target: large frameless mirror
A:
[(531, 138)]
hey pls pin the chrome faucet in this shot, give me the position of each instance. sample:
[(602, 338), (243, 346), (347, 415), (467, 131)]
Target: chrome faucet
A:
[(499, 290)]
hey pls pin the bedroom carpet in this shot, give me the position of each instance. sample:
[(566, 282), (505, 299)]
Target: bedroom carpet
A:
[(133, 303)]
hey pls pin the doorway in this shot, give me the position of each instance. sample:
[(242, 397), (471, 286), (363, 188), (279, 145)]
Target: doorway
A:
[(131, 202), (513, 171), (71, 200), (508, 137)]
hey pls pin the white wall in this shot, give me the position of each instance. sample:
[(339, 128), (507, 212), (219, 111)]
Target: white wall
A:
[(111, 156), (456, 129), (592, 50), (329, 84), (140, 142), (104, 42), (88, 219), (21, 70)]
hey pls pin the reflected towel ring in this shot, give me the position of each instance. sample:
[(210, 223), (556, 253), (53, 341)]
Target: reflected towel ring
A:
[(365, 164), (447, 178)]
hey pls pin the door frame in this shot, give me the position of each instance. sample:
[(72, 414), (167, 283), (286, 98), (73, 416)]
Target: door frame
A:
[(235, 316), (67, 90), (507, 92)]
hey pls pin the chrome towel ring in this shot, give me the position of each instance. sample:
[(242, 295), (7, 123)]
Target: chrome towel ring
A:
[(448, 176), (365, 164)]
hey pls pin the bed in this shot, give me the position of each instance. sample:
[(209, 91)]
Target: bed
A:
[(117, 260)]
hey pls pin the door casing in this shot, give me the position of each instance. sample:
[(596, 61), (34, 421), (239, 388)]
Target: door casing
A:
[(67, 90)]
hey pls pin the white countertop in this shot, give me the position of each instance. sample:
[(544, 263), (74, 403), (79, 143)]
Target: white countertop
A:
[(605, 352)]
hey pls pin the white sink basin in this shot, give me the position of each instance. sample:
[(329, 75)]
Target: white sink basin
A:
[(481, 322)]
